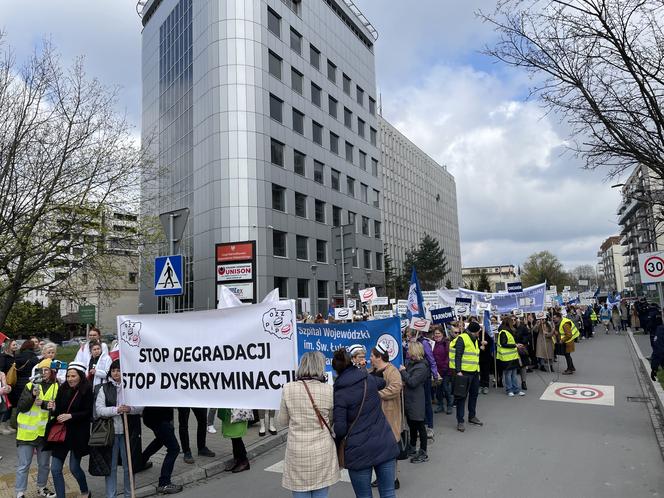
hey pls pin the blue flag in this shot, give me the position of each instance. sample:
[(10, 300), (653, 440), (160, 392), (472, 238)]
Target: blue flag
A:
[(487, 324), (596, 292), (415, 304)]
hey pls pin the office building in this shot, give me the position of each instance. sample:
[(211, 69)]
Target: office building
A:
[(611, 265), (498, 276)]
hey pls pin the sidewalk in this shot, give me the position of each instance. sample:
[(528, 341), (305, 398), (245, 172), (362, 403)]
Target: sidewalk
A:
[(146, 481)]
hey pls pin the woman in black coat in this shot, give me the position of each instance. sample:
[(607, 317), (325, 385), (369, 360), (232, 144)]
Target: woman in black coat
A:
[(73, 408), (25, 361), (414, 375), (370, 443)]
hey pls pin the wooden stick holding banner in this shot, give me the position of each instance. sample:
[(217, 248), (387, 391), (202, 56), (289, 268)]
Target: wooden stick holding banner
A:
[(129, 463)]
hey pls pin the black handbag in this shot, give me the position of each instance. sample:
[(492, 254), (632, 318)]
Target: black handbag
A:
[(560, 349), (461, 386), (403, 445), (102, 433)]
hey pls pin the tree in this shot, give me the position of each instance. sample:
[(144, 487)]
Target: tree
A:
[(543, 266), (598, 64), (483, 284), (67, 158), (430, 262), (27, 318), (583, 272)]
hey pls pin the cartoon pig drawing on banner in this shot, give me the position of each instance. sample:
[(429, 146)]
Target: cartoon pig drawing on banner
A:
[(279, 323), (130, 332)]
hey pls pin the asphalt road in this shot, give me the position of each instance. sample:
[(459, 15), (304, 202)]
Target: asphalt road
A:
[(527, 448)]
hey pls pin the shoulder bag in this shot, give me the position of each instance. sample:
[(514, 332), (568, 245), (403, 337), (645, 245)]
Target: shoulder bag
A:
[(12, 373), (58, 431)]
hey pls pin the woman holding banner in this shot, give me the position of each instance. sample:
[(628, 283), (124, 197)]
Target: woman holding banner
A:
[(310, 464)]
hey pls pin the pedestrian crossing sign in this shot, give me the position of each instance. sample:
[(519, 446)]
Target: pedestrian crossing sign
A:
[(168, 276)]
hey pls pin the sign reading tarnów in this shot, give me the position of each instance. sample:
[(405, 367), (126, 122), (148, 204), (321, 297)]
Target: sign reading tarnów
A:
[(235, 271), (236, 357), (443, 315)]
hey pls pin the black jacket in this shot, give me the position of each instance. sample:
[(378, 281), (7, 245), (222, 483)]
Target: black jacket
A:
[(414, 377), (155, 415), (78, 427), (25, 362)]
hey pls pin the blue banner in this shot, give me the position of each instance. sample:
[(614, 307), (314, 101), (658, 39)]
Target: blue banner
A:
[(328, 337), (442, 315), (530, 300)]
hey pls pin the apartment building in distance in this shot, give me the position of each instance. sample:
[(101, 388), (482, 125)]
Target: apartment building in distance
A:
[(611, 264), (498, 276)]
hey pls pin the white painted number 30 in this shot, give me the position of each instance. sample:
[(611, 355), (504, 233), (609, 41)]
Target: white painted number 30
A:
[(586, 393)]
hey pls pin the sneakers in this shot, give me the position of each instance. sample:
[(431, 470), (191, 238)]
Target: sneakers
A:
[(521, 393), (475, 421), (430, 433), (206, 452), (568, 372), (461, 427), (211, 429), (188, 457), (485, 390), (421, 457), (510, 394), (169, 489), (45, 492), (411, 451), (20, 495)]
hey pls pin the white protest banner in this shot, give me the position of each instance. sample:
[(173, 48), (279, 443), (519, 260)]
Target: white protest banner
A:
[(380, 314), (237, 357), (343, 314), (380, 301), (420, 324), (517, 313), (587, 301), (482, 307), (553, 289), (351, 303), (368, 294), (402, 306), (431, 296)]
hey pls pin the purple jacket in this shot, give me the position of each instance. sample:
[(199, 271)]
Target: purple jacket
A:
[(441, 353), (428, 354)]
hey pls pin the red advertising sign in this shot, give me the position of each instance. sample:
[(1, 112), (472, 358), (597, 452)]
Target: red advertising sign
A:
[(235, 252)]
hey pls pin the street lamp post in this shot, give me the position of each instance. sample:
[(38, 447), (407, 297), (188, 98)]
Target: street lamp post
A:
[(314, 269)]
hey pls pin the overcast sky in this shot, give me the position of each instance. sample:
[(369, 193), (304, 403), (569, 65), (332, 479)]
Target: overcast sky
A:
[(518, 189)]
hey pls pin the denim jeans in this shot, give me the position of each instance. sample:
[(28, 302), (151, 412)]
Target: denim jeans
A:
[(385, 474), (24, 453), (510, 381), (164, 434), (318, 493), (119, 448), (76, 471), (444, 392)]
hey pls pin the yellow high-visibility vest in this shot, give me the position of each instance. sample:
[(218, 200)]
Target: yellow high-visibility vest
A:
[(470, 361), (506, 354), (32, 424), (452, 353), (575, 331)]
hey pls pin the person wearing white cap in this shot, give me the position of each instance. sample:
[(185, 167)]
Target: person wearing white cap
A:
[(358, 355), (73, 408)]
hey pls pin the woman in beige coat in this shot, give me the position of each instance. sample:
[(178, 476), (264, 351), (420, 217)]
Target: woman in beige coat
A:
[(310, 465), (545, 341)]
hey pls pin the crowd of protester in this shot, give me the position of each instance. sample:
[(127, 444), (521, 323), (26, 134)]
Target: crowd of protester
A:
[(372, 416)]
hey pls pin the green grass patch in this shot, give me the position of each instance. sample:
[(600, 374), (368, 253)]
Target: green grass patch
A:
[(66, 353)]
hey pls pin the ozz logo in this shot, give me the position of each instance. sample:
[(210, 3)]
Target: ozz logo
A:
[(130, 332)]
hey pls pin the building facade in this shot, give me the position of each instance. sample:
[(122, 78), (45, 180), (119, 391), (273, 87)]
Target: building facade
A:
[(498, 276), (263, 113), (419, 198), (611, 264), (639, 229)]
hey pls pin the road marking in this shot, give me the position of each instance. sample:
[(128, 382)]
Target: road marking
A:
[(588, 394), (279, 469)]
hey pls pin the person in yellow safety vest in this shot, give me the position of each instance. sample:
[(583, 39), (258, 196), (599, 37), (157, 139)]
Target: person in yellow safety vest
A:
[(568, 334), (507, 353), (467, 364), (35, 406)]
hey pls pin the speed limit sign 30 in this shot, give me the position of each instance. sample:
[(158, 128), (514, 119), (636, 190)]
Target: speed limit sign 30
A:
[(580, 393), (651, 266)]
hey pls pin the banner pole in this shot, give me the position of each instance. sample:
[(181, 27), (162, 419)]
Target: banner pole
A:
[(128, 453)]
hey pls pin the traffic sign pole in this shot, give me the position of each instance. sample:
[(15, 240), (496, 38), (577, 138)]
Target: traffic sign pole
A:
[(171, 248)]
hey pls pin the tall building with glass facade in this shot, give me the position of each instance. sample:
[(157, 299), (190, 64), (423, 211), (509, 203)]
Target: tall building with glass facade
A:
[(262, 115), (419, 197)]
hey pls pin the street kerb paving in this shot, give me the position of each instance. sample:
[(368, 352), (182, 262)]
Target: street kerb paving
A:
[(146, 481)]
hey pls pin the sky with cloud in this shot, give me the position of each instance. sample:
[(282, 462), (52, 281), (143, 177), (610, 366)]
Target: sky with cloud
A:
[(519, 190)]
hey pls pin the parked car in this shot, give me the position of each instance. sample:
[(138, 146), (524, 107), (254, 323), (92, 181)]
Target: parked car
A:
[(74, 341)]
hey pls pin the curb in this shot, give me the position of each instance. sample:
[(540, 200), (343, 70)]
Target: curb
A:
[(217, 467), (651, 388)]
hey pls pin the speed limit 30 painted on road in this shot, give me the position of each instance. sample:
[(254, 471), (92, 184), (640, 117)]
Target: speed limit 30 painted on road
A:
[(651, 267), (580, 393)]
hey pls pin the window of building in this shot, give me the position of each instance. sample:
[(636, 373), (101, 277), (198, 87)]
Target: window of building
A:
[(372, 136), (377, 229), (336, 177), (365, 226), (336, 216), (299, 163), (331, 71), (314, 56), (281, 283), (298, 122), (276, 108), (277, 152), (302, 287), (297, 81), (356, 260), (349, 152), (348, 118), (321, 292), (372, 106), (274, 22), (350, 186), (346, 84), (278, 197), (379, 261), (295, 41), (316, 94), (320, 211), (317, 132), (319, 172), (274, 65), (363, 160), (279, 243), (133, 277), (302, 247), (334, 143), (367, 259), (360, 95), (375, 198), (332, 106), (300, 205), (351, 219), (321, 251), (364, 192), (374, 166), (360, 127)]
